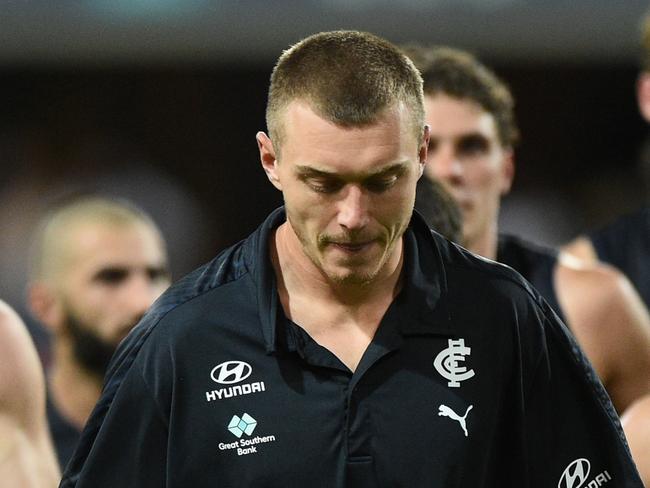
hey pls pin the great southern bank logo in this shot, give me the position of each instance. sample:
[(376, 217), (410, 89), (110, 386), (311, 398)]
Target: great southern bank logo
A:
[(229, 373), (242, 428), (446, 363), (242, 425), (576, 474)]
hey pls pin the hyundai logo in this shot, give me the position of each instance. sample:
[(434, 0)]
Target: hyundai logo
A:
[(231, 372), (575, 474)]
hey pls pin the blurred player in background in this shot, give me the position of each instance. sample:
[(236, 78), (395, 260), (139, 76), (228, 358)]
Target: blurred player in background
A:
[(470, 113), (27, 458), (97, 266)]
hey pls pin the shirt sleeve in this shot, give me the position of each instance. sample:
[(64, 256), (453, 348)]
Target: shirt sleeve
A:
[(124, 443), (573, 435)]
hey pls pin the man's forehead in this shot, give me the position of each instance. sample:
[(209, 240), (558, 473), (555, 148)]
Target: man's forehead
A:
[(462, 116), (96, 232), (92, 241), (300, 111)]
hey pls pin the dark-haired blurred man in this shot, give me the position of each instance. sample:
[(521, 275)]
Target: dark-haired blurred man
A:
[(470, 112)]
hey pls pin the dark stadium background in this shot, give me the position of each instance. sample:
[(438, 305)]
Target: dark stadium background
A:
[(178, 88)]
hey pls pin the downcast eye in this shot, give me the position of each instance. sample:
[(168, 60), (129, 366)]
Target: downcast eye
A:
[(381, 184), (325, 186)]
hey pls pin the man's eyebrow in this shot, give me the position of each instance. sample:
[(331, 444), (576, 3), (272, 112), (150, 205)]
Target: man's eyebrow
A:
[(311, 172), (397, 168), (110, 272), (476, 134)]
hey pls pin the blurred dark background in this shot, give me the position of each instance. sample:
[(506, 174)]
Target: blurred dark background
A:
[(160, 100)]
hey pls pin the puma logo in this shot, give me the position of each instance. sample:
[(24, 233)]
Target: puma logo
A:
[(445, 411)]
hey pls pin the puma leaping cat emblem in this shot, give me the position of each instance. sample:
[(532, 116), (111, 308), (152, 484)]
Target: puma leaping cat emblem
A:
[(445, 411)]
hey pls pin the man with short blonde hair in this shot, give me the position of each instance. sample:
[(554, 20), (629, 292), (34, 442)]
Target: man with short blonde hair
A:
[(346, 78), (344, 344)]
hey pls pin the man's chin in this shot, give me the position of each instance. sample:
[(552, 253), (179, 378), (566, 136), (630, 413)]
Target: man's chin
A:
[(359, 277), (92, 352)]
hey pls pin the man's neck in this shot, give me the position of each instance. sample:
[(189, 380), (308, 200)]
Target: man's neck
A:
[(73, 390), (341, 317), (484, 243)]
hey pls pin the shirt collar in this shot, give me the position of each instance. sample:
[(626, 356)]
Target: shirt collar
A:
[(423, 300), (421, 304)]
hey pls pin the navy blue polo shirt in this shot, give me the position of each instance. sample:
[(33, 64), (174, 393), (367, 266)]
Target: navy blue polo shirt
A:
[(535, 263), (470, 381)]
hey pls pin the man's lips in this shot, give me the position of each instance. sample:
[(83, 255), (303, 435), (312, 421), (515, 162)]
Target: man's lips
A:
[(351, 246), (463, 199), (465, 203)]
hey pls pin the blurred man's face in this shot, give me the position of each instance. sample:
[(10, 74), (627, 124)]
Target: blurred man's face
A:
[(348, 191), (114, 273), (465, 154)]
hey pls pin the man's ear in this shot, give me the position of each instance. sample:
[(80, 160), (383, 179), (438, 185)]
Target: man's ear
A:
[(424, 147), (45, 305), (508, 170), (643, 94), (268, 159)]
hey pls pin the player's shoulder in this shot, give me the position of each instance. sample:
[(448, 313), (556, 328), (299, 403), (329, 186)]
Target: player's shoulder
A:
[(495, 296), (604, 284), (197, 293), (637, 416), (472, 271), (636, 424), (16, 346), (10, 323), (21, 376), (227, 281)]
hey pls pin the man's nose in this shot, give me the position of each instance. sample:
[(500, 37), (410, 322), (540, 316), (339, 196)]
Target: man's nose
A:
[(353, 208), (446, 165), (140, 294)]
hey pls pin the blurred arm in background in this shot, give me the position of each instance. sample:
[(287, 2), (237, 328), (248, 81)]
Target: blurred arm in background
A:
[(27, 457)]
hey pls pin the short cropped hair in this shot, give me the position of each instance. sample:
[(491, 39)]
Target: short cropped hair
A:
[(48, 244), (347, 77), (459, 74)]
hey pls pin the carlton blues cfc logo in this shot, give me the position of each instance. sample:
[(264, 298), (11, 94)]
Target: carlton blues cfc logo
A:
[(446, 363)]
